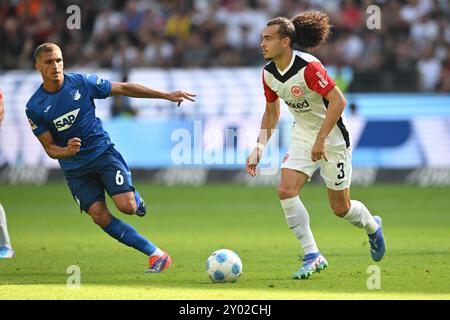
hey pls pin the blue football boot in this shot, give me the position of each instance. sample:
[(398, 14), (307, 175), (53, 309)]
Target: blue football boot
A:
[(377, 243), (141, 209), (312, 262)]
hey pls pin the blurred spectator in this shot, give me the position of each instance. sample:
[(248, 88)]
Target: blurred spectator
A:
[(107, 21), (415, 9), (178, 24), (341, 80), (444, 80), (121, 107), (429, 68), (353, 109), (350, 16), (226, 33), (351, 48)]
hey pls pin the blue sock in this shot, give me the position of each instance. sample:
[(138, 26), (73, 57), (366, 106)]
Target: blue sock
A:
[(126, 234)]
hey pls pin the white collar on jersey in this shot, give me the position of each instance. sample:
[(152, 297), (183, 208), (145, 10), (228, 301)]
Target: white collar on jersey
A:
[(289, 65)]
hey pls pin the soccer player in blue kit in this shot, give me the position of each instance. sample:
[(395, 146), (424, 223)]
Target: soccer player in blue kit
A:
[(62, 116)]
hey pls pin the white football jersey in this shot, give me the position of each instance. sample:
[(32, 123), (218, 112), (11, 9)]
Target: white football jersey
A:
[(303, 86)]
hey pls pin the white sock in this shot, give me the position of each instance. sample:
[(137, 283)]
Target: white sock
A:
[(359, 216), (158, 252), (297, 218), (4, 236)]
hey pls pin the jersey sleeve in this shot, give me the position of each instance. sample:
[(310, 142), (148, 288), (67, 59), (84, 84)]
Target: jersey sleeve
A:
[(36, 124), (317, 78), (98, 88), (271, 95)]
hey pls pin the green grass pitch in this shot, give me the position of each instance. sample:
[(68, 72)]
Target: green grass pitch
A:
[(49, 235)]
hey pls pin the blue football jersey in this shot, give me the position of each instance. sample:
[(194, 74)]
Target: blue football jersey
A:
[(69, 113)]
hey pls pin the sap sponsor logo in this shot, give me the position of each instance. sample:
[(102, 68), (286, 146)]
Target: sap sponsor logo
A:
[(322, 81), (65, 121), (299, 106)]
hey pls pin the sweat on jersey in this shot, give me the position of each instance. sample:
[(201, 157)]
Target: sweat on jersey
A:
[(303, 86), (69, 113)]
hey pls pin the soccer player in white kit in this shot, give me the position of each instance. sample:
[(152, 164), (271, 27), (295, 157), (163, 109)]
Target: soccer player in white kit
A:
[(319, 136), (6, 250)]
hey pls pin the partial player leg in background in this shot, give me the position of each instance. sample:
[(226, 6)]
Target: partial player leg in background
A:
[(6, 250), (297, 218)]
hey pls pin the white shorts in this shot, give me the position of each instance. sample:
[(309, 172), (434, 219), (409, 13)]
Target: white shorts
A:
[(336, 172)]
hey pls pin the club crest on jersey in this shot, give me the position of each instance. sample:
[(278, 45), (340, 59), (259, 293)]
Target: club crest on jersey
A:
[(66, 120), (296, 91), (75, 95)]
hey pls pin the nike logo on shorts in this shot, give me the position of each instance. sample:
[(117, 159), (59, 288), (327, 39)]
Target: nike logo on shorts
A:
[(337, 184)]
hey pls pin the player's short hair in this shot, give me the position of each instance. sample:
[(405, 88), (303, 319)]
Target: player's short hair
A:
[(286, 29), (45, 47), (311, 28)]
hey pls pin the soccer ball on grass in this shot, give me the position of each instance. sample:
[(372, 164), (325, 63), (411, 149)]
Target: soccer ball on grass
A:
[(224, 265)]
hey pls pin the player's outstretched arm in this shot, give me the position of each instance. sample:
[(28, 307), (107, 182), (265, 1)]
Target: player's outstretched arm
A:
[(268, 123), (2, 108), (56, 152), (136, 90)]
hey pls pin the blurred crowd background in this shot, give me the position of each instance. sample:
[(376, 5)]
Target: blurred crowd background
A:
[(411, 51)]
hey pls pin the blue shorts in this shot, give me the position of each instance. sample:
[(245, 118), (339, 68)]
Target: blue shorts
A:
[(107, 172)]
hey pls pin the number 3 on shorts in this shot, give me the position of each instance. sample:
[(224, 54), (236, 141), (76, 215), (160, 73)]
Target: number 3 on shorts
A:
[(341, 175), (119, 178)]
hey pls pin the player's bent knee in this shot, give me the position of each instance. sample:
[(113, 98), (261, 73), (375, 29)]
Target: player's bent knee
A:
[(127, 207), (340, 210), (286, 193), (101, 218)]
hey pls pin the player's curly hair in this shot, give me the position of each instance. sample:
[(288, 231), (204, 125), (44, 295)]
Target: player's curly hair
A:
[(311, 28)]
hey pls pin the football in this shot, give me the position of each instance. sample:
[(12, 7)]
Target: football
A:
[(224, 265)]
